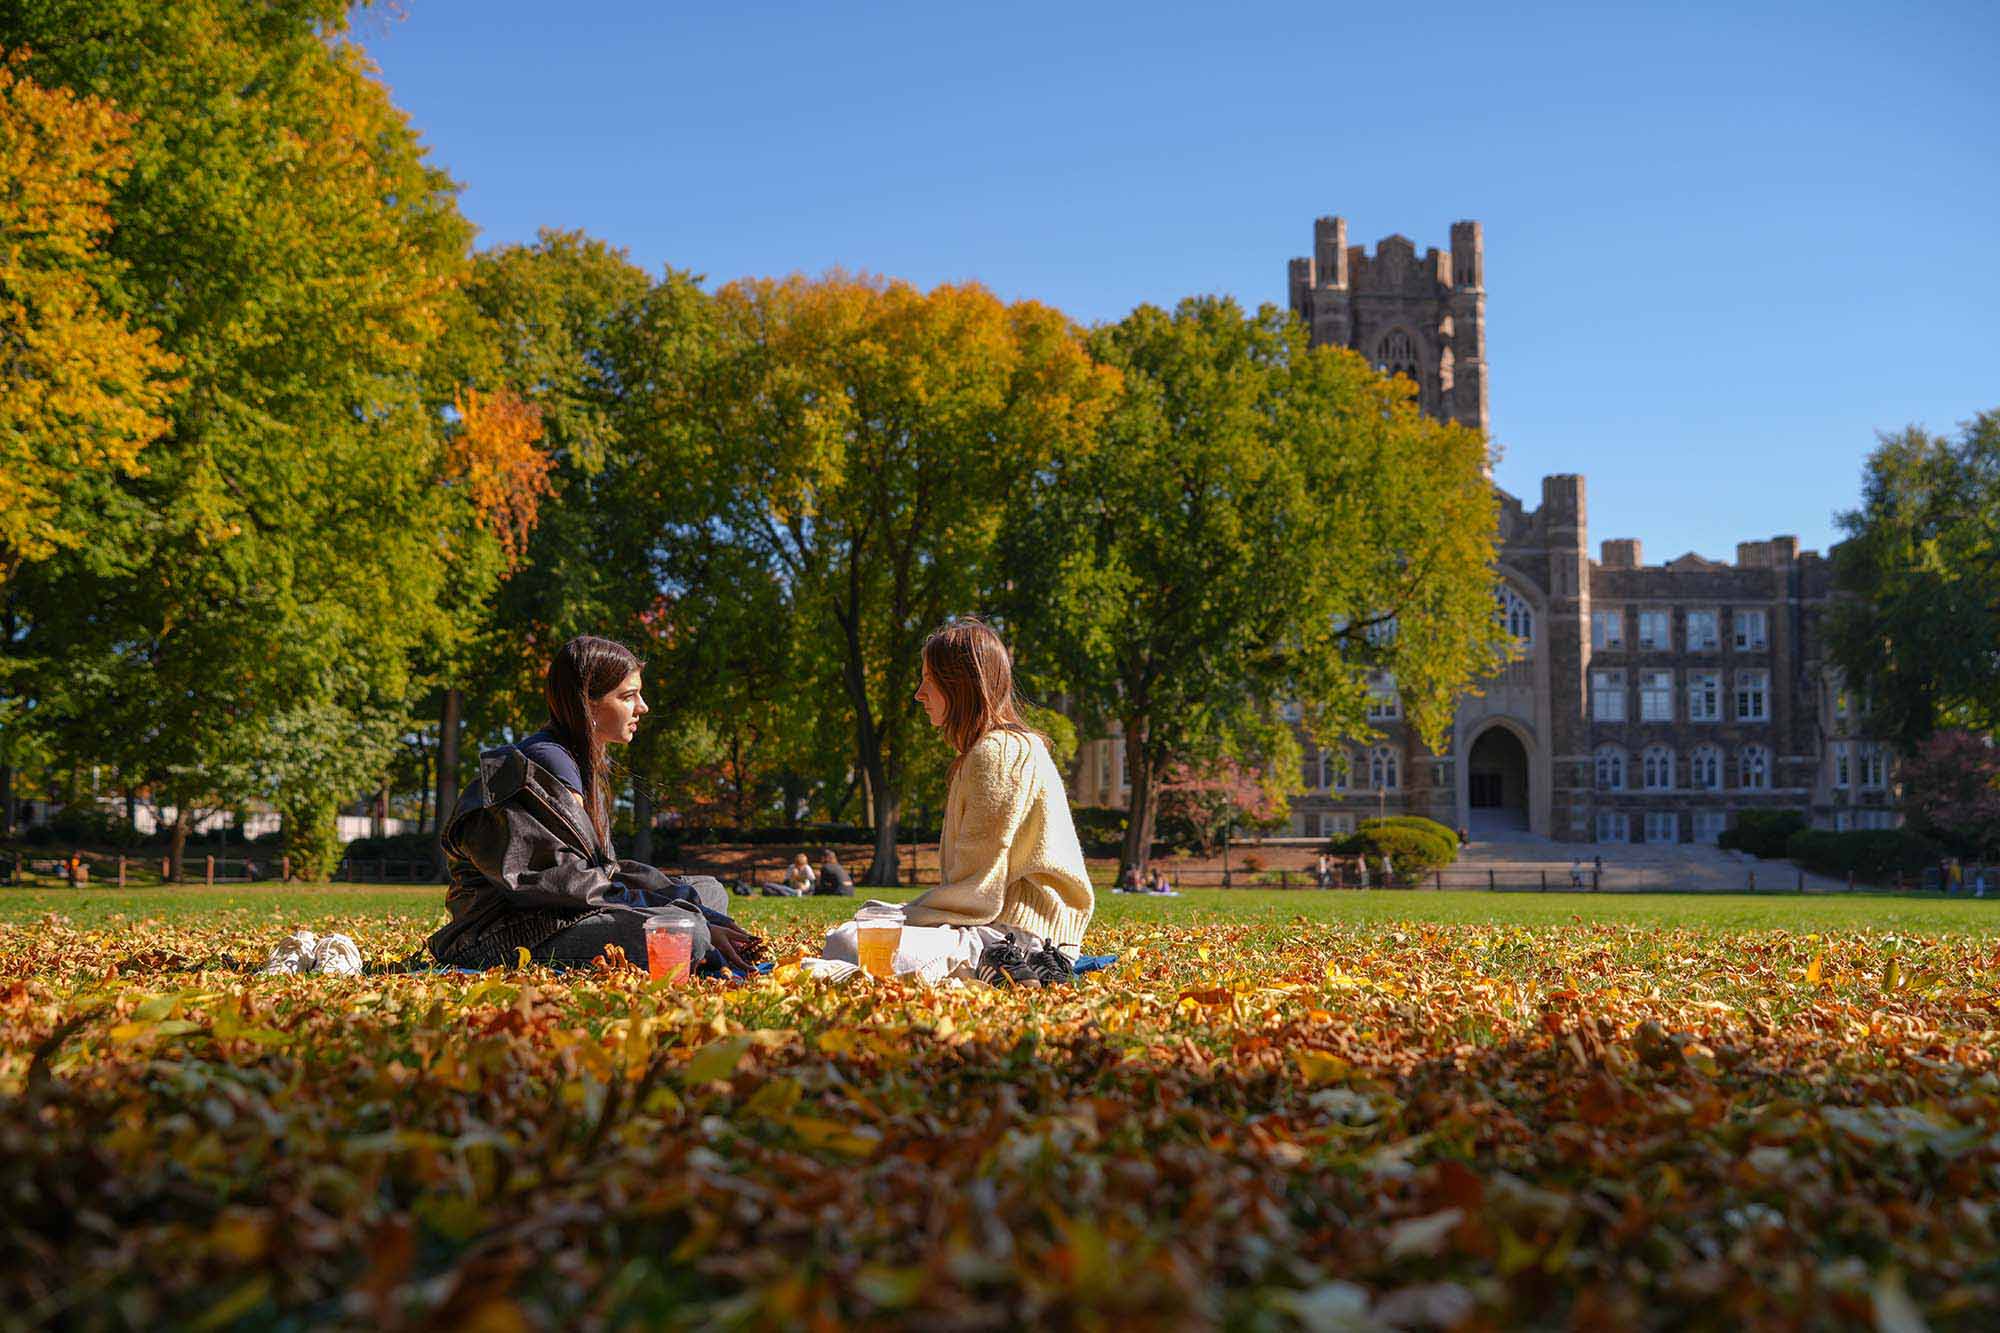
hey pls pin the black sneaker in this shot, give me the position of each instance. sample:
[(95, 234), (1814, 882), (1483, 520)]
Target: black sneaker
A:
[(1002, 963), (1052, 966)]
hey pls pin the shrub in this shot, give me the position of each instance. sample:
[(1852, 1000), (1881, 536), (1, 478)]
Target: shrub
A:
[(1762, 833), (312, 836), (1099, 828), (1415, 846), (1870, 853)]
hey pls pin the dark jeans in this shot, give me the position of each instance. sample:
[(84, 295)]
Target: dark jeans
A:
[(584, 939)]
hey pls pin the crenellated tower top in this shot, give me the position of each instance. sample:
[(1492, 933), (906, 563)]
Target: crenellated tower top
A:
[(1424, 318)]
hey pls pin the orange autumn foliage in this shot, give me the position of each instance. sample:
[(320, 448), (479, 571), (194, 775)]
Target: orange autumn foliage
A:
[(498, 454)]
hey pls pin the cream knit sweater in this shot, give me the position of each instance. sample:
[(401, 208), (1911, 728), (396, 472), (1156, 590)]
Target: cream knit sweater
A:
[(1009, 856)]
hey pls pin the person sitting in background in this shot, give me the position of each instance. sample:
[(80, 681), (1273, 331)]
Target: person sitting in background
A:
[(800, 877), (528, 846), (834, 881), (1129, 881)]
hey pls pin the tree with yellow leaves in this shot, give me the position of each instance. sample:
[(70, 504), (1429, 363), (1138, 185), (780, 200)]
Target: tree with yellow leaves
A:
[(82, 390), (854, 443)]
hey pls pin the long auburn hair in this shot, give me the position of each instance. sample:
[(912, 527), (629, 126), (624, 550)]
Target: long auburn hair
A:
[(976, 676), (583, 671)]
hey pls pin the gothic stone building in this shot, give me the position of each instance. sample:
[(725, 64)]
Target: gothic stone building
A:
[(1645, 702)]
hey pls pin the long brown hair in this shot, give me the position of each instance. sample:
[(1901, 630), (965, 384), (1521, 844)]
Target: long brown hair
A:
[(585, 670), (976, 676)]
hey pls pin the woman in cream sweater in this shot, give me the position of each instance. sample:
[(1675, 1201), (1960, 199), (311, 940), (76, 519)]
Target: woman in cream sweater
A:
[(1011, 869)]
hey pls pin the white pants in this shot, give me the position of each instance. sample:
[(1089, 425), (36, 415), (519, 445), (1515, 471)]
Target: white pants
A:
[(930, 954)]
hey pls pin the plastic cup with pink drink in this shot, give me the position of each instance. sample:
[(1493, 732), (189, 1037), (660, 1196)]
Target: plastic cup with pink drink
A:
[(670, 945)]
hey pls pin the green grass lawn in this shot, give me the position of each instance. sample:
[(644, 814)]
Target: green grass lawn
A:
[(340, 907)]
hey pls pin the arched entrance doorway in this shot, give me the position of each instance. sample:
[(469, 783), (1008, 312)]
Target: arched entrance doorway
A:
[(1496, 781)]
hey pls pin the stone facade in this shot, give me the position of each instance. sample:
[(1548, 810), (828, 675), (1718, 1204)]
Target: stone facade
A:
[(1644, 702), (1424, 318)]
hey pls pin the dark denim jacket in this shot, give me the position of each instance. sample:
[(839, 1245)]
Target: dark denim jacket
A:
[(525, 862)]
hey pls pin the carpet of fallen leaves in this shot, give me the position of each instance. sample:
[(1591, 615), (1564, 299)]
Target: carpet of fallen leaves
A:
[(1318, 1126)]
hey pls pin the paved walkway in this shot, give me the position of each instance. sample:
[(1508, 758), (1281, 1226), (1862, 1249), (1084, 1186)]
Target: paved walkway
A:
[(1518, 855)]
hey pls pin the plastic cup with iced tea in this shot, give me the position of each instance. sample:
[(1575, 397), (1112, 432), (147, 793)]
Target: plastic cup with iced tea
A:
[(876, 935), (670, 945)]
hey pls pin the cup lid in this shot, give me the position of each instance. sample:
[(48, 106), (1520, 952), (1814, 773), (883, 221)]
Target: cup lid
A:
[(674, 920)]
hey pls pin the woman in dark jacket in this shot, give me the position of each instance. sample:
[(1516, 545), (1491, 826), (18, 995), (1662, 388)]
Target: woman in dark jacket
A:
[(529, 844)]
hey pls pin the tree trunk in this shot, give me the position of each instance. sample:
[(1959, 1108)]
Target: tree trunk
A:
[(6, 800), (177, 847), (447, 774), (1142, 807), (382, 808), (131, 811), (885, 869), (423, 789), (642, 821)]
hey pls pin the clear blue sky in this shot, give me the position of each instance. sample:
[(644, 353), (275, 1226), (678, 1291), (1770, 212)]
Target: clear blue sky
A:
[(1725, 243)]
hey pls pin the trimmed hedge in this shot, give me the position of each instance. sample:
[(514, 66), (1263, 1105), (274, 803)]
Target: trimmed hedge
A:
[(1871, 853), (1415, 846), (1762, 833)]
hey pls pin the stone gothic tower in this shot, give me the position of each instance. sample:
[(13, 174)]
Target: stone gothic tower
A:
[(1424, 318)]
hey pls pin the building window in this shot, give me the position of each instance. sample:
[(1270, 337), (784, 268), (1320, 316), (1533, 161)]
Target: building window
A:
[(1382, 769), (1753, 768), (1704, 696), (1611, 826), (1843, 820), (1842, 774), (1874, 764), (1607, 696), (1875, 818), (1607, 630), (1750, 631), (1708, 825), (1380, 633), (1702, 636), (1396, 354), (1610, 768), (1663, 826), (1655, 629), (1705, 768), (1753, 696), (1657, 768), (1339, 825), (1656, 696), (1516, 616), (1384, 705)]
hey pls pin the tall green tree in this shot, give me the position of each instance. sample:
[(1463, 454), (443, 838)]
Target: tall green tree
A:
[(291, 538), (857, 441), (1260, 522), (1916, 630)]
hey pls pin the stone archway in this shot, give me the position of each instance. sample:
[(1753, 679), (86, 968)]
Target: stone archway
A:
[(1496, 781)]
